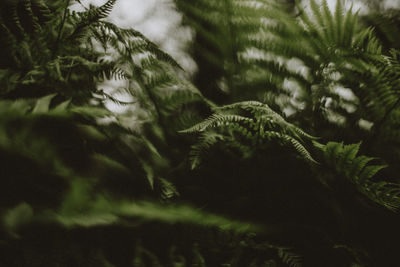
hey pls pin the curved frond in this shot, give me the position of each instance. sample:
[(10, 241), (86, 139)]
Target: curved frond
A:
[(228, 126), (358, 171)]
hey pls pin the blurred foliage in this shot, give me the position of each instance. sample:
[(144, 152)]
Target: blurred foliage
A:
[(259, 161)]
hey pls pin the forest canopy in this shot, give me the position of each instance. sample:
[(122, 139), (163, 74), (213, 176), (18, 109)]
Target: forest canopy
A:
[(283, 149)]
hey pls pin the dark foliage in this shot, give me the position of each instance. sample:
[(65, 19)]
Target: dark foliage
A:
[(266, 159)]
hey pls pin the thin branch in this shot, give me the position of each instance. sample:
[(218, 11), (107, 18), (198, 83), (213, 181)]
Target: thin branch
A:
[(55, 48)]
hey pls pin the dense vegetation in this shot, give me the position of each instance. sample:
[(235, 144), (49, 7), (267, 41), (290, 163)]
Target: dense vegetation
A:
[(283, 151)]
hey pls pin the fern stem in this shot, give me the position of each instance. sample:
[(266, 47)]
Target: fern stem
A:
[(55, 48), (233, 66), (155, 105), (150, 95), (70, 70)]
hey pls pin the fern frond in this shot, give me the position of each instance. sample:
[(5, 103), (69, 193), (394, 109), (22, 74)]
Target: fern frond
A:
[(266, 114), (263, 124), (130, 42), (205, 142), (329, 44), (104, 212), (176, 98), (361, 175), (301, 150), (290, 258), (369, 171), (329, 22), (90, 16), (216, 120)]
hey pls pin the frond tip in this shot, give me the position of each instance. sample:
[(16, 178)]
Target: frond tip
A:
[(357, 170)]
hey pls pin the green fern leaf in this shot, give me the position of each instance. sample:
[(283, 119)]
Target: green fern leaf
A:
[(216, 120), (299, 148), (369, 171), (339, 22), (43, 104)]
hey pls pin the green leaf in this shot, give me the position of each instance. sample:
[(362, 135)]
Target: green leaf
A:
[(62, 106), (370, 171), (42, 105), (93, 112)]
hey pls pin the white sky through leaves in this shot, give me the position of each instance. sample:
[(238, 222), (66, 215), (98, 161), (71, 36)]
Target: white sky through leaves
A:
[(160, 21)]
